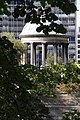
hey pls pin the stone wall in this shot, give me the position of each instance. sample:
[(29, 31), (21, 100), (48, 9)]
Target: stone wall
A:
[(63, 102)]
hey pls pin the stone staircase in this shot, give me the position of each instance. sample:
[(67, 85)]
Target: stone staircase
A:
[(63, 102)]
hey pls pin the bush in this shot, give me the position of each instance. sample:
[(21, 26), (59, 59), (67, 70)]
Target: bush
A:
[(72, 115)]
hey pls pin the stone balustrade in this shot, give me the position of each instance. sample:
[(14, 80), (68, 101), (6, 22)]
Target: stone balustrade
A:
[(63, 102)]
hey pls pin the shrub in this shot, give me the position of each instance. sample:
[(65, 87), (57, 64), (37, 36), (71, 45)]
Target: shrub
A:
[(72, 115)]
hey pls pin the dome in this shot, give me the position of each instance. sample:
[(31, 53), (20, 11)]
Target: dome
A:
[(29, 34), (30, 29)]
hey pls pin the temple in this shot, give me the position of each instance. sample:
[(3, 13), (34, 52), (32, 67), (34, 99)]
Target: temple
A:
[(32, 38)]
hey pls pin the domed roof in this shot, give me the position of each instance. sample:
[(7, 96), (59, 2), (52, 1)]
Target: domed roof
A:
[(29, 35), (30, 29)]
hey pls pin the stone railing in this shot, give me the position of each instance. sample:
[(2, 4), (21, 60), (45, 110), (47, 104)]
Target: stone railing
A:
[(63, 102)]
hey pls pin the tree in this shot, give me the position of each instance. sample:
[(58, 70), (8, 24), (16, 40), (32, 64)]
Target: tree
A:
[(21, 48), (21, 85), (50, 59), (4, 8), (16, 102), (16, 99), (41, 12)]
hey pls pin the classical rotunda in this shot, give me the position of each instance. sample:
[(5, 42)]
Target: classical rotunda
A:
[(32, 38)]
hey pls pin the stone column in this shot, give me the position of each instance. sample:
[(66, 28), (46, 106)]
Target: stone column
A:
[(58, 54), (65, 53), (32, 54), (26, 54), (22, 58), (45, 51), (55, 54), (43, 54), (34, 50)]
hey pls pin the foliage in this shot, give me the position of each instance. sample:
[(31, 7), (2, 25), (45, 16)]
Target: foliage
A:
[(72, 115), (10, 36), (18, 83), (4, 8), (7, 53), (67, 73), (72, 73), (59, 60), (21, 85), (41, 79), (46, 79), (68, 87), (50, 59), (42, 13), (16, 44), (16, 103)]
